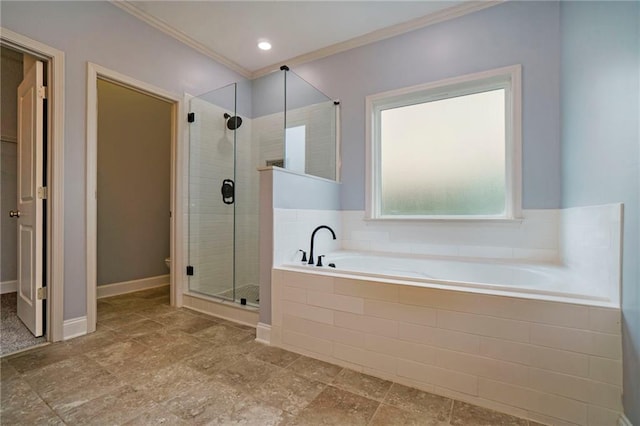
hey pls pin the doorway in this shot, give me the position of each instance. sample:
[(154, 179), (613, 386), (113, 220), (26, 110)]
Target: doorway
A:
[(40, 279), (18, 332), (131, 188), (134, 188)]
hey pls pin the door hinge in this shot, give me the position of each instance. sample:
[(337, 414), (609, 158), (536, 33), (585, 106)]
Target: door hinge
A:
[(42, 293), (43, 193), (191, 117), (42, 92), (189, 270)]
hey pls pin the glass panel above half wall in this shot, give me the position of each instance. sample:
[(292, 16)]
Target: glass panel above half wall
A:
[(310, 129)]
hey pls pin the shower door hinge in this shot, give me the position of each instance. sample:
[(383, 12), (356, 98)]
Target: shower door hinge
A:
[(189, 270), (42, 293), (42, 192), (191, 117)]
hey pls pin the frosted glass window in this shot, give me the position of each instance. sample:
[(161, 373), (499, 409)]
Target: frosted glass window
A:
[(444, 157), (449, 149)]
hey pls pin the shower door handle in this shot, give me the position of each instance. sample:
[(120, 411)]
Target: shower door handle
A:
[(228, 191)]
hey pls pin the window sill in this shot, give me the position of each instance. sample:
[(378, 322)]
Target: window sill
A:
[(445, 220)]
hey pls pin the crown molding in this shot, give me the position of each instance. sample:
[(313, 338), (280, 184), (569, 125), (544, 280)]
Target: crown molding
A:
[(382, 34), (180, 36), (372, 37)]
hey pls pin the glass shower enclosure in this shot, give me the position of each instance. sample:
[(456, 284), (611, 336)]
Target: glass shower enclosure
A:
[(223, 200), (277, 120)]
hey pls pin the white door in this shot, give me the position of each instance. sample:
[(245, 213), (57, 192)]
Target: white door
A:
[(31, 94)]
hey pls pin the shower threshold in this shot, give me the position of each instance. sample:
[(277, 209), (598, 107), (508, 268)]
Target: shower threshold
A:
[(250, 292)]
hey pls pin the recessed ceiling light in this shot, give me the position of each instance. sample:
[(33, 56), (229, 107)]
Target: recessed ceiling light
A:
[(264, 45)]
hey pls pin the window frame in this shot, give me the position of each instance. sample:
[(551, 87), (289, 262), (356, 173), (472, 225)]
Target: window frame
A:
[(508, 78)]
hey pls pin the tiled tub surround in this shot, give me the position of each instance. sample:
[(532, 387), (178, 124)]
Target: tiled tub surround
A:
[(532, 238), (292, 231), (591, 245), (581, 243), (556, 363)]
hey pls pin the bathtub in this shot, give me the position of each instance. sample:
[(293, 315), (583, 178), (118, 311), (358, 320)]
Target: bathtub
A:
[(523, 338), (542, 281)]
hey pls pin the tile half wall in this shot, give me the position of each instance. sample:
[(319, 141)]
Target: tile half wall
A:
[(552, 362)]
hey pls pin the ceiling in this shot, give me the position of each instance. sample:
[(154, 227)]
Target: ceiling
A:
[(299, 31)]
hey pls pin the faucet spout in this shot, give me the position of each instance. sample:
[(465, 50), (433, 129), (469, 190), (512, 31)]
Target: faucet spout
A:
[(313, 236)]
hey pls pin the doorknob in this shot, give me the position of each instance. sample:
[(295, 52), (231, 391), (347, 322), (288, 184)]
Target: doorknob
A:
[(14, 213)]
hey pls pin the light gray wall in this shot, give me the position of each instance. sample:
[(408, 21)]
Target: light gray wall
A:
[(134, 184), (234, 97), (10, 78), (102, 33), (301, 93), (526, 33), (601, 138), (267, 94)]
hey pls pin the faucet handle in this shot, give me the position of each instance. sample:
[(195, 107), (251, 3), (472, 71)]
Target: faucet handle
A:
[(304, 256), (320, 260)]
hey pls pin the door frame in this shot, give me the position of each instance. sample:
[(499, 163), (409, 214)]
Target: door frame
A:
[(54, 258), (95, 72)]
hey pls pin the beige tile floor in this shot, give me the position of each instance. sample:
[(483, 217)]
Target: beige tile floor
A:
[(151, 364)]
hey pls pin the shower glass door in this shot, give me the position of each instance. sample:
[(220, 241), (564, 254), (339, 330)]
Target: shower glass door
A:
[(212, 193)]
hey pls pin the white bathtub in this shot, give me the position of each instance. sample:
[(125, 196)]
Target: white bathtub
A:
[(529, 280)]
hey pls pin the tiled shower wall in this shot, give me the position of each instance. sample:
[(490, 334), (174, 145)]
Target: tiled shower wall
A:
[(247, 200), (320, 123), (319, 119)]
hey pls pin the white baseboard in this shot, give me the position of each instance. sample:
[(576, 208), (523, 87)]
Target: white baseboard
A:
[(124, 287), (263, 333), (624, 421), (8, 286), (74, 327)]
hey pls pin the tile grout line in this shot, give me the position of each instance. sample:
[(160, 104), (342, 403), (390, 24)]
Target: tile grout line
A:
[(374, 413), (453, 402), (384, 398)]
